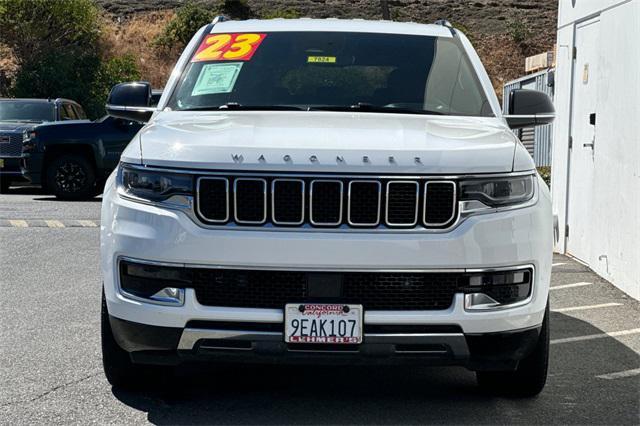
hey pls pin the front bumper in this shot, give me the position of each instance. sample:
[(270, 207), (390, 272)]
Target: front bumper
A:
[(32, 167), (260, 343), (505, 239), (10, 166)]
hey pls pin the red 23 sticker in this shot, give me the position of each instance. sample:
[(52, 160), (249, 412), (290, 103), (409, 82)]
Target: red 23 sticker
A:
[(228, 47)]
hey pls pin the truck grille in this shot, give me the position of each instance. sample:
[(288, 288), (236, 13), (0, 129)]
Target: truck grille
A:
[(374, 290), (10, 144), (326, 202)]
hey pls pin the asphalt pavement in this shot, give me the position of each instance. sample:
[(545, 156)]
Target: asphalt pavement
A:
[(51, 373)]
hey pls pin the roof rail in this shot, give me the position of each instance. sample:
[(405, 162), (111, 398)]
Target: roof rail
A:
[(447, 24), (219, 18)]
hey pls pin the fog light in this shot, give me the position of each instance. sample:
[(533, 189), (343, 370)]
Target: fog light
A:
[(157, 284), (479, 301), (498, 289), (169, 295)]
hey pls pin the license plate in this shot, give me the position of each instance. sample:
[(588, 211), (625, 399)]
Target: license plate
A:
[(323, 323)]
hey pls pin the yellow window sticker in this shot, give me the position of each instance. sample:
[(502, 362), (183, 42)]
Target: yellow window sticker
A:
[(215, 78), (321, 59)]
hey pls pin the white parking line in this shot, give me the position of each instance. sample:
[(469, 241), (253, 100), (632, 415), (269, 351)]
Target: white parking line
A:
[(620, 374), (54, 224), (596, 336), (559, 264), (560, 287), (19, 223), (87, 223), (584, 308)]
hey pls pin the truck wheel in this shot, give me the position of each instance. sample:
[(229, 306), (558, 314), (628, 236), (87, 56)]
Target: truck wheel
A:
[(71, 177), (531, 375), (118, 368)]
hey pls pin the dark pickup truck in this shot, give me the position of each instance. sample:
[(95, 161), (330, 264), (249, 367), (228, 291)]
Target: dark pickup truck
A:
[(17, 118), (72, 160)]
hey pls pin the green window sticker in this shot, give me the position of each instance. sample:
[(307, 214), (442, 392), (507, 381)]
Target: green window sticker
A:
[(217, 78)]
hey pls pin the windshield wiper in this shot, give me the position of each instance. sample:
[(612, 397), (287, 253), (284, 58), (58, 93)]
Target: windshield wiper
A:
[(367, 107), (238, 107)]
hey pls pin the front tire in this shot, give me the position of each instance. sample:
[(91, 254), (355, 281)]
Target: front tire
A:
[(120, 371), (531, 375), (71, 177)]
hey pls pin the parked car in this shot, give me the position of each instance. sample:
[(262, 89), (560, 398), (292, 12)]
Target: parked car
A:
[(335, 191), (17, 117), (73, 159)]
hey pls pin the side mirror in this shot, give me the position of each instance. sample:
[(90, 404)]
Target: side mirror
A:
[(529, 108), (131, 101)]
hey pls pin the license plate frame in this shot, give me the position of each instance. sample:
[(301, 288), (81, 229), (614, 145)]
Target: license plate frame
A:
[(324, 323)]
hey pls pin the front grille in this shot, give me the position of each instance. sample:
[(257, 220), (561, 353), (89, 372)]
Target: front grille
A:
[(248, 289), (10, 144), (326, 201), (374, 290)]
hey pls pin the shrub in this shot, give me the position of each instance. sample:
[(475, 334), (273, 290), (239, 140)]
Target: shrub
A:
[(109, 73), (189, 18), (83, 78), (281, 13), (518, 30), (545, 173), (193, 15)]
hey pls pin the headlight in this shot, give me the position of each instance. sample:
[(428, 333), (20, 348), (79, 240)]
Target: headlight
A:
[(28, 140), (150, 185), (498, 192)]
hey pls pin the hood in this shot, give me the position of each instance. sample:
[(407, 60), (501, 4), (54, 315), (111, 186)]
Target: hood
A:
[(17, 126), (62, 124), (321, 141)]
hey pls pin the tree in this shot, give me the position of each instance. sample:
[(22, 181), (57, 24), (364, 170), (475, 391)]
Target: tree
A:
[(36, 28), (384, 6), (56, 46)]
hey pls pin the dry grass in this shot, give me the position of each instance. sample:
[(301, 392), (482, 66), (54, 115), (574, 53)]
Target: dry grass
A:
[(134, 36), (504, 58), (8, 68)]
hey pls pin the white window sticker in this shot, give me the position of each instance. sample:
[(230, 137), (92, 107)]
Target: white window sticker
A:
[(216, 78)]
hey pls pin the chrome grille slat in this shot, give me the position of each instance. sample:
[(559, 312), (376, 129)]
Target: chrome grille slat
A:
[(443, 219), (251, 192), (209, 215), (392, 203), (312, 218), (396, 206), (353, 197), (276, 208)]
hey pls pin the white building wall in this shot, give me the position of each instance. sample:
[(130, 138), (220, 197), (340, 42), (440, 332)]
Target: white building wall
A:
[(614, 243)]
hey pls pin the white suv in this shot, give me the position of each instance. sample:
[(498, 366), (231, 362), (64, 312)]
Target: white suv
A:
[(328, 191)]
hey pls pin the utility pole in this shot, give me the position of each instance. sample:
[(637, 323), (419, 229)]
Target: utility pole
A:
[(384, 5)]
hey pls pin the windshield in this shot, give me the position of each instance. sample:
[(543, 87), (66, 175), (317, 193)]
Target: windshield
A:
[(331, 71), (26, 111)]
